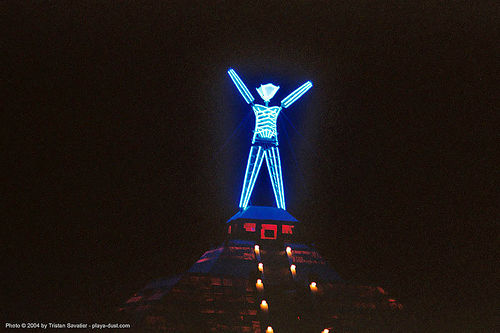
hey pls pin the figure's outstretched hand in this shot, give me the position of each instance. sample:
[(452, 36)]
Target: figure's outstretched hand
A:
[(241, 86)]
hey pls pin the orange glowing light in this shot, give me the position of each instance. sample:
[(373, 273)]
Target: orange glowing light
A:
[(263, 305), (293, 269), (261, 267), (289, 250), (313, 287), (259, 285), (257, 250), (269, 329), (326, 330)]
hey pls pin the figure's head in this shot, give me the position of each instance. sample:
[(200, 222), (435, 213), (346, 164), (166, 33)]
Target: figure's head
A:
[(267, 91)]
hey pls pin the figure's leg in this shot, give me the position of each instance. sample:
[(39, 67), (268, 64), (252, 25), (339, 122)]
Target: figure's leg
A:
[(255, 158), (272, 175), (280, 177), (274, 167)]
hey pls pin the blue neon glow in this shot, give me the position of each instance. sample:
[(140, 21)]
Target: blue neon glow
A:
[(270, 169), (274, 168), (253, 167), (287, 101), (255, 158), (265, 123), (279, 177), (265, 138), (249, 170), (241, 86), (267, 91)]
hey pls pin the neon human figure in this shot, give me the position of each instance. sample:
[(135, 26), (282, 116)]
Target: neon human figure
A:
[(265, 138)]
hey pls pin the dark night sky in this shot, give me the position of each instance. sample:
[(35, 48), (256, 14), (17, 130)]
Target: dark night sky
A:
[(125, 156)]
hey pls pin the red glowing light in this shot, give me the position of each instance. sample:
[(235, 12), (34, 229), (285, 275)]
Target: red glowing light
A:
[(249, 227), (268, 235), (287, 229), (229, 230), (203, 260), (134, 299)]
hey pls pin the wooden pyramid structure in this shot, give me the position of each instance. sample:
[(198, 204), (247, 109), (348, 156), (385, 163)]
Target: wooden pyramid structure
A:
[(263, 278)]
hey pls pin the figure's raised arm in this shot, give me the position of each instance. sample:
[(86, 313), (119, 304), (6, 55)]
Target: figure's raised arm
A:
[(290, 99), (241, 86)]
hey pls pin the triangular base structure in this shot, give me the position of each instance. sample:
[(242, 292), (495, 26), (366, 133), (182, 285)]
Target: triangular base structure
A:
[(264, 278)]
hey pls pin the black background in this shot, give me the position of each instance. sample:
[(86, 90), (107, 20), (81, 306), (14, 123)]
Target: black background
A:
[(125, 143)]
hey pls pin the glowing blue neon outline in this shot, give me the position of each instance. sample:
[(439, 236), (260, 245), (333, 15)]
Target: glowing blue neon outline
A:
[(253, 178), (254, 164), (273, 167), (250, 175), (267, 91), (280, 179), (265, 128), (273, 180), (265, 122), (241, 86), (245, 181), (296, 94)]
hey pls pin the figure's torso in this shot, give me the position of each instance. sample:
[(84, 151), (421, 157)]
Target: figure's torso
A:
[(265, 123)]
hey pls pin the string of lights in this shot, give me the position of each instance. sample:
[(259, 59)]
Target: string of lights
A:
[(259, 284)]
